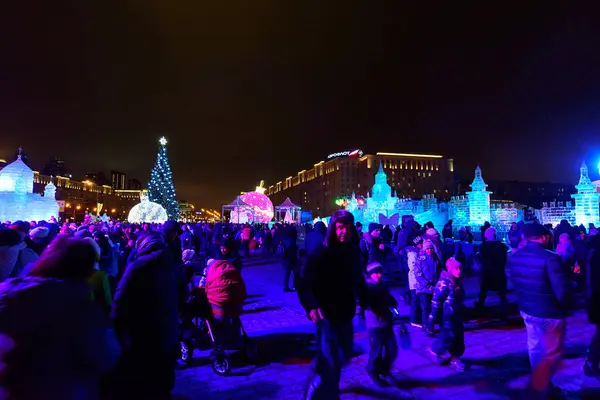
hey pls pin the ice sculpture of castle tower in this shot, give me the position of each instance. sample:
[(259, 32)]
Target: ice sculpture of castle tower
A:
[(17, 200), (479, 201), (586, 200)]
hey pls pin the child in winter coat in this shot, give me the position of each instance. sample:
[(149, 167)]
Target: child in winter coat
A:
[(378, 318), (426, 279), (413, 253), (448, 300)]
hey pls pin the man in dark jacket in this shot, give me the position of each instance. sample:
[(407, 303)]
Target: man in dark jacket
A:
[(592, 271), (145, 313), (330, 282), (542, 284)]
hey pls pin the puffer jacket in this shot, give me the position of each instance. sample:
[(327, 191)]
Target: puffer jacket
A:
[(448, 300), (412, 254), (225, 289), (541, 280), (425, 274)]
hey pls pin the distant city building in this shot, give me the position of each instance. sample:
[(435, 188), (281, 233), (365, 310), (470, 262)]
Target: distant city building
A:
[(187, 211), (91, 176), (347, 172), (134, 184), (56, 167), (99, 178), (118, 180)]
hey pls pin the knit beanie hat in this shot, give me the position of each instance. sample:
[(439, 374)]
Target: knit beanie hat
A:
[(38, 233), (431, 232), (188, 254), (374, 267), (210, 261), (373, 226), (490, 234), (453, 263)]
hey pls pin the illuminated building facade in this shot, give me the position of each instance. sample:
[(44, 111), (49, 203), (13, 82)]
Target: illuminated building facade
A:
[(347, 172)]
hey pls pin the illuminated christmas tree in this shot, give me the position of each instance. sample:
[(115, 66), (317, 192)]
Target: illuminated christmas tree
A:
[(161, 189)]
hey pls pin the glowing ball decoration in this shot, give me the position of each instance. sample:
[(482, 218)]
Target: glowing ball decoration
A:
[(262, 207)]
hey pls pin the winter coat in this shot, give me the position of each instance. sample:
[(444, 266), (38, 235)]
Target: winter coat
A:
[(370, 251), (378, 313), (331, 280), (592, 275), (413, 260), (145, 305), (514, 237), (314, 240), (541, 280), (225, 289), (425, 273), (448, 300), (246, 233), (54, 342), (493, 265)]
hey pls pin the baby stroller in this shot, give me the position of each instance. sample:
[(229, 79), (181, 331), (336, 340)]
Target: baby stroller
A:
[(199, 330)]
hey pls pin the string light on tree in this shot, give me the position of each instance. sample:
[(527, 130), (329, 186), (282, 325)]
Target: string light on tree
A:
[(161, 189)]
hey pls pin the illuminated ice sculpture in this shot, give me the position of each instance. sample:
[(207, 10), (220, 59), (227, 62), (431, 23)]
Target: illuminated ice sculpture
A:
[(586, 200), (17, 200), (147, 211), (260, 208), (479, 201)]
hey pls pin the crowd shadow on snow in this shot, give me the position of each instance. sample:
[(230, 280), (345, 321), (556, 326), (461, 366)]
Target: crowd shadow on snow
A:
[(492, 375)]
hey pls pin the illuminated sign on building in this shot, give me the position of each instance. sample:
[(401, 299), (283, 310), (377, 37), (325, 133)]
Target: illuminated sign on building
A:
[(349, 153)]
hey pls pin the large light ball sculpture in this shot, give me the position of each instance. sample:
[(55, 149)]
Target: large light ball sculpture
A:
[(147, 211), (262, 207)]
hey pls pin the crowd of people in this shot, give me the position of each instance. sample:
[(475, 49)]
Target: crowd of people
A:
[(94, 310)]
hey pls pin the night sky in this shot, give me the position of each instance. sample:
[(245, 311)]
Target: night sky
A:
[(253, 90)]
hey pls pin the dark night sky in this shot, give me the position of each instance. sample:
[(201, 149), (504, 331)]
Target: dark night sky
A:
[(245, 93)]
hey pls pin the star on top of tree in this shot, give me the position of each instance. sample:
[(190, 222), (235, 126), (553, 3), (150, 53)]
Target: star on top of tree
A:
[(163, 141)]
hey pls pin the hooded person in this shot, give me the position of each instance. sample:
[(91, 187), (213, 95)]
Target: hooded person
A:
[(145, 313), (225, 289), (10, 248), (55, 341), (330, 282), (493, 270), (316, 237)]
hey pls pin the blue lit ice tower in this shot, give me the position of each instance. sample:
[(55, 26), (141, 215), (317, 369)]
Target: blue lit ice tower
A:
[(479, 201), (586, 200)]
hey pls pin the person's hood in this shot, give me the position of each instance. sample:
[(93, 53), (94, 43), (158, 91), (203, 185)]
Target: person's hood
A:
[(320, 227), (150, 243)]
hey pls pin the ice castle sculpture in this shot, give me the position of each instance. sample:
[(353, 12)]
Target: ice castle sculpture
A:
[(17, 200), (381, 205), (147, 211), (386, 208), (479, 201), (586, 200)]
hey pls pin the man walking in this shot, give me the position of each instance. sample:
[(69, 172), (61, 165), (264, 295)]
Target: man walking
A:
[(542, 284), (329, 283)]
